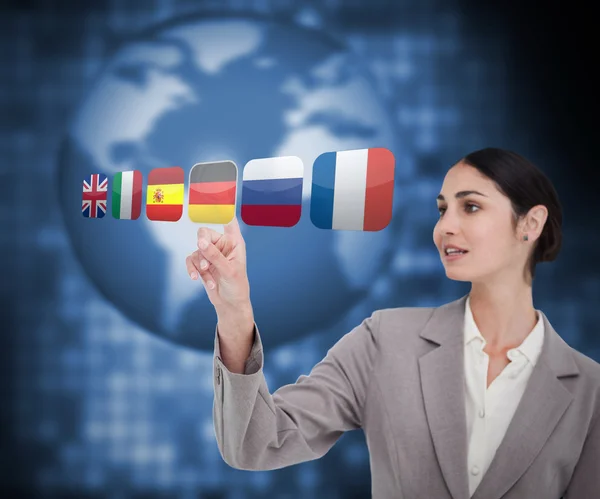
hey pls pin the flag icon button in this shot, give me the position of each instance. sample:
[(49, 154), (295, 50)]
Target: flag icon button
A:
[(164, 195), (353, 190), (212, 192), (272, 191), (127, 195), (94, 196)]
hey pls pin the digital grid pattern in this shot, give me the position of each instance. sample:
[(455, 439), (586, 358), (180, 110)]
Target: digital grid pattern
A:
[(101, 407)]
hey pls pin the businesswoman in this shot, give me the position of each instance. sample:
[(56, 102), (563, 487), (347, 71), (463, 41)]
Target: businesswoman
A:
[(477, 398)]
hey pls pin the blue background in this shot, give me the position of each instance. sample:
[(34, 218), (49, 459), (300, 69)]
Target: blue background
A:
[(95, 404)]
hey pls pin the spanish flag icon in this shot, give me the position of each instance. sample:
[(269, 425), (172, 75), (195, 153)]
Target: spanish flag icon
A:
[(164, 200), (212, 195)]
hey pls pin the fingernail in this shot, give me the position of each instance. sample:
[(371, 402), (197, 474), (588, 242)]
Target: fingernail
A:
[(194, 275), (211, 285), (203, 264), (203, 244)]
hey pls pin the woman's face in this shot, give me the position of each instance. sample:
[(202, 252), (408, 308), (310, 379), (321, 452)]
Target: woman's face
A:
[(479, 223)]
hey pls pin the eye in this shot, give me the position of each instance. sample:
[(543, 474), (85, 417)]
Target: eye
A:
[(467, 207)]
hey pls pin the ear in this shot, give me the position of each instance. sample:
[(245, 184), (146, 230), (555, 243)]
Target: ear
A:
[(534, 221)]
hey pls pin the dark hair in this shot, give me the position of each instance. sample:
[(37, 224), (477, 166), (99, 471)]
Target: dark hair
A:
[(526, 186)]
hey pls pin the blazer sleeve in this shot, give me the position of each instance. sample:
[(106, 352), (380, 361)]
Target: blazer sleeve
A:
[(257, 430), (585, 481)]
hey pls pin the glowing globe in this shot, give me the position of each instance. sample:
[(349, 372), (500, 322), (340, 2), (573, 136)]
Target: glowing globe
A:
[(211, 89)]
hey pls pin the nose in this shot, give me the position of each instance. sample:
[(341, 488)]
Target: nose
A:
[(449, 222)]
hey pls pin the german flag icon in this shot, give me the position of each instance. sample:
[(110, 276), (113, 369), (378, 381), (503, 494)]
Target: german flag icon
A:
[(212, 195)]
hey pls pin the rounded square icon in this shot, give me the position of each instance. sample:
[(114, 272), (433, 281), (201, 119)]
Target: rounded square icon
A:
[(212, 192), (94, 196), (164, 195), (127, 195), (272, 191), (353, 190)]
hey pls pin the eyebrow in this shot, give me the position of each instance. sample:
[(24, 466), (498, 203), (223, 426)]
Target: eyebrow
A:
[(460, 194)]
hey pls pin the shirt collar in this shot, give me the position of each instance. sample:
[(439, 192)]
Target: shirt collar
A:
[(530, 347)]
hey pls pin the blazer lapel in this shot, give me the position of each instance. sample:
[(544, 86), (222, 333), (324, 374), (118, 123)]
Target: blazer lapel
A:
[(543, 403), (442, 384)]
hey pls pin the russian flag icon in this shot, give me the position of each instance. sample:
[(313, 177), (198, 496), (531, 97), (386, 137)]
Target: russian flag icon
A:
[(272, 191), (353, 190)]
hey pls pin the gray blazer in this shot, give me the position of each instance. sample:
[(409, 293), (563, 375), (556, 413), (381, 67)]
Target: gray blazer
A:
[(399, 377)]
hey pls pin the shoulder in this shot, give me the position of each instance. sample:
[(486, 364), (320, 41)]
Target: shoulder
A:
[(588, 366), (385, 328), (402, 317), (589, 372), (587, 385), (399, 327)]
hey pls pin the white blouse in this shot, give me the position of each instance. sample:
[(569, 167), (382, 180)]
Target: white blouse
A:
[(490, 410)]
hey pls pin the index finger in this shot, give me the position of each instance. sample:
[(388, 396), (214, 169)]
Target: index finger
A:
[(232, 229), (209, 234)]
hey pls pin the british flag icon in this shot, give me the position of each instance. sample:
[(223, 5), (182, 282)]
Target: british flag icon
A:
[(95, 192)]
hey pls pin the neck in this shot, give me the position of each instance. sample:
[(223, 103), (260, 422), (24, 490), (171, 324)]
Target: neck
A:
[(504, 315)]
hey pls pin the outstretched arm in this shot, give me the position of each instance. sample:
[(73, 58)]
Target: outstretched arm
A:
[(257, 430)]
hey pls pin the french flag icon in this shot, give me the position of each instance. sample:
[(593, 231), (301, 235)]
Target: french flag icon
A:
[(353, 190)]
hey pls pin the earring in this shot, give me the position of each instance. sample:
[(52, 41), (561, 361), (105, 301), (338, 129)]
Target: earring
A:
[(525, 237)]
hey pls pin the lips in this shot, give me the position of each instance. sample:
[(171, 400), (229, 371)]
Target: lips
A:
[(454, 256), (452, 247)]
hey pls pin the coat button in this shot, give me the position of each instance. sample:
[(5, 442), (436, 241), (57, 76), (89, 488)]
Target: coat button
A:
[(475, 470), (481, 413)]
